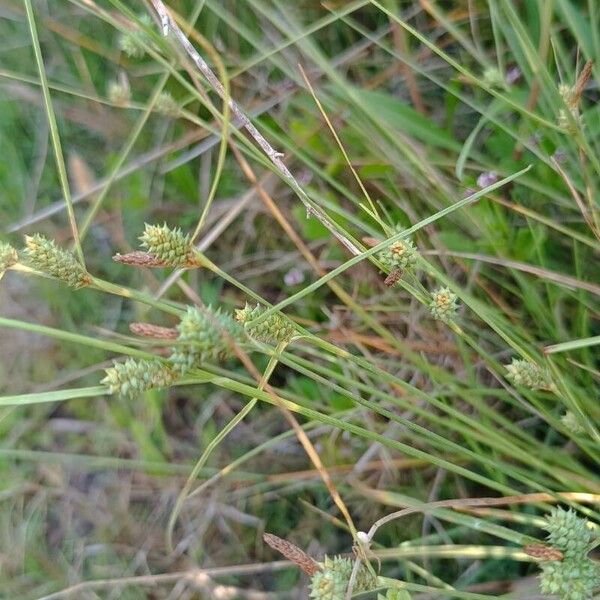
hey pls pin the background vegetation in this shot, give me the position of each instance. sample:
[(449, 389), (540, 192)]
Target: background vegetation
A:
[(389, 114)]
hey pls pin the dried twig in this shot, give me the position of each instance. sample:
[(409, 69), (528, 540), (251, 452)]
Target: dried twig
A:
[(169, 25)]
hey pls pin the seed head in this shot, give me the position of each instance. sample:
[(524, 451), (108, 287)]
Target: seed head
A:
[(569, 420), (331, 582), (170, 246), (119, 92), (569, 533), (273, 330), (132, 42), (570, 579), (395, 594), (527, 374), (570, 119), (204, 335), (493, 77), (131, 378), (8, 256), (166, 105), (443, 305), (402, 254), (45, 256)]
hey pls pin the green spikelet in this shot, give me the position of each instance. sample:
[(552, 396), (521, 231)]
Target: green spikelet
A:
[(166, 105), (203, 336), (570, 579), (569, 420), (119, 92), (572, 102), (493, 77), (131, 378), (45, 256), (331, 582), (402, 254), (170, 246), (273, 330), (8, 256), (443, 305), (132, 42), (394, 594), (569, 533), (527, 374)]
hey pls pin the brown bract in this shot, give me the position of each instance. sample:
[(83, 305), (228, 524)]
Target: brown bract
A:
[(150, 330), (138, 258), (309, 565), (543, 552)]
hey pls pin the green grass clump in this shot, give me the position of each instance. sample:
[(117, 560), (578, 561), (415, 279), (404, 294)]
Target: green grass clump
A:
[(402, 196)]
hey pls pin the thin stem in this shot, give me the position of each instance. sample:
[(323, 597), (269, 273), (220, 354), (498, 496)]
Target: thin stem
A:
[(181, 498), (58, 154), (309, 289)]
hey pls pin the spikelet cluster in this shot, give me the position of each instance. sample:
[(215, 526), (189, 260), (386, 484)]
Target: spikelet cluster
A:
[(8, 256), (166, 105), (576, 576), (273, 330), (443, 305), (132, 42), (572, 101), (527, 374), (402, 254), (119, 92), (45, 256), (170, 246), (569, 420), (570, 579), (204, 335), (331, 582), (394, 594), (493, 77), (569, 533), (133, 377)]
